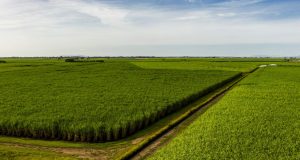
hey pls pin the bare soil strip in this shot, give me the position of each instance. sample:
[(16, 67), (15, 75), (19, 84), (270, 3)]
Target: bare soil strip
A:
[(87, 153)]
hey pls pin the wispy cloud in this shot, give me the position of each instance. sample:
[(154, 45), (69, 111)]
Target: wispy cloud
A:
[(32, 13), (67, 26), (107, 14), (238, 3)]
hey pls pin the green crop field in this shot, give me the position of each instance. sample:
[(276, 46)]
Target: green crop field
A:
[(258, 119), (94, 101), (125, 102), (200, 65)]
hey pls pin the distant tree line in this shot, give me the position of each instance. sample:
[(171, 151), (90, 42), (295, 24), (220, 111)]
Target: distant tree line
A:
[(81, 60)]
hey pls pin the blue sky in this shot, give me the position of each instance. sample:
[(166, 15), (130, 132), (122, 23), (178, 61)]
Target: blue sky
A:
[(150, 27)]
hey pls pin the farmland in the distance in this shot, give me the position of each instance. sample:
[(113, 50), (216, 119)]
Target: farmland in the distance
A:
[(228, 64), (258, 119), (94, 101), (199, 65)]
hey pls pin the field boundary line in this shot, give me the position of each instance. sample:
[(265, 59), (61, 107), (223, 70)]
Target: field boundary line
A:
[(145, 143)]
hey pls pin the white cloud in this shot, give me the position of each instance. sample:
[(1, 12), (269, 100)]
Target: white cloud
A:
[(32, 13), (59, 27), (230, 14), (108, 15)]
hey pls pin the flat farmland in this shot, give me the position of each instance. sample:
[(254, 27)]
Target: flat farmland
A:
[(188, 108), (224, 64), (200, 65), (94, 101), (258, 119)]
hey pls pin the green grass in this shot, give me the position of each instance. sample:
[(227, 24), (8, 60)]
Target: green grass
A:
[(23, 153), (258, 119), (54, 144), (93, 101)]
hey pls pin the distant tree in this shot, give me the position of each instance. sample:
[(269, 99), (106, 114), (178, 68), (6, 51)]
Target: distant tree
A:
[(82, 60), (70, 60)]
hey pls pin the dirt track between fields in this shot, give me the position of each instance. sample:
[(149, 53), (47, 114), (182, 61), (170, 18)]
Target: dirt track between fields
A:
[(83, 153)]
